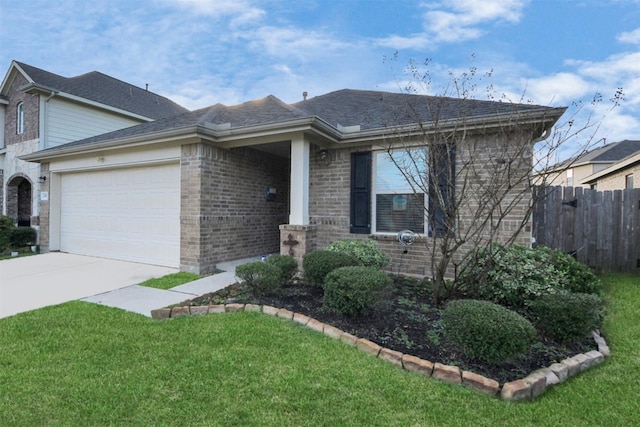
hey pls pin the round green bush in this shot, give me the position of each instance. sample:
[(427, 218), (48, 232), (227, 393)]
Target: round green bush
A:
[(22, 236), (577, 277), (366, 251), (286, 264), (567, 317), (6, 228), (515, 275), (260, 278), (354, 290), (487, 331), (316, 265)]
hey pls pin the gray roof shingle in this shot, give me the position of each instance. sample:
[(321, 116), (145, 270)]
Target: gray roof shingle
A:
[(107, 90), (376, 110), (369, 109)]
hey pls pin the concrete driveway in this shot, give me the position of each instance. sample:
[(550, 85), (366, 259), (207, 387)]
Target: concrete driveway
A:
[(49, 279)]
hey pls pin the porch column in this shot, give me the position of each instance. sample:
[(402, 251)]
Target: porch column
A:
[(296, 238), (299, 193)]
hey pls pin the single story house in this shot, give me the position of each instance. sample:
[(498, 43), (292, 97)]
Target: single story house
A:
[(228, 182)]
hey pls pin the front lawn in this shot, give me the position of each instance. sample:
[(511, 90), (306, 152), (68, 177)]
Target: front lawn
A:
[(84, 364)]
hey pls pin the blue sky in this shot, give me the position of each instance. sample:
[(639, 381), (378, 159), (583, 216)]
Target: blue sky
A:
[(201, 52)]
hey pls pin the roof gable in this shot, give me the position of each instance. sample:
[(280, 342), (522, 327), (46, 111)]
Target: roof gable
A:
[(103, 89)]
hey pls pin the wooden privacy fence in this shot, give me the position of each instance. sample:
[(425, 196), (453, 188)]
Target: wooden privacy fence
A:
[(600, 228)]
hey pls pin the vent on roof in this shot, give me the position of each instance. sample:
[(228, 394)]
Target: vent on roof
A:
[(304, 95), (217, 127), (348, 129)]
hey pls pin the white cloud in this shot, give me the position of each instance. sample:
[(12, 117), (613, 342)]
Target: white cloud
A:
[(243, 11), (632, 37), (557, 89), (455, 21)]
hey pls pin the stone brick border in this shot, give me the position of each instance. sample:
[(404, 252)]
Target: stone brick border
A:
[(532, 386)]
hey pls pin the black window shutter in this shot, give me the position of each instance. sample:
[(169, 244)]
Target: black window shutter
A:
[(441, 181), (360, 221)]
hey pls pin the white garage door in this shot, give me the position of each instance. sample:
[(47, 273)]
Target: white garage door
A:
[(130, 214)]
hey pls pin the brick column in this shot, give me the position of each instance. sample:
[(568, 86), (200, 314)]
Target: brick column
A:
[(297, 240)]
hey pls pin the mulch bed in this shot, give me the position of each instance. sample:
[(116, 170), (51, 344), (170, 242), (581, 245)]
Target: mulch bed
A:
[(405, 321)]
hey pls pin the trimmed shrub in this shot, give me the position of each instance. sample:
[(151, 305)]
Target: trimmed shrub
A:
[(316, 265), (487, 331), (366, 252), (22, 236), (567, 317), (260, 278), (578, 278), (515, 275), (6, 228), (354, 290), (285, 264)]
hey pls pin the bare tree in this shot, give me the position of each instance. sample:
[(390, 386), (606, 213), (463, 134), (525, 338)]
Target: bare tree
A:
[(472, 162)]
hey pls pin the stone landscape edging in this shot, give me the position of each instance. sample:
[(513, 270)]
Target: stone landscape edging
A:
[(529, 387)]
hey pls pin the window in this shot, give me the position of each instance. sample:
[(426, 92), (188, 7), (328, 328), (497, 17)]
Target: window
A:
[(569, 177), (400, 183), (398, 201), (628, 181), (20, 119)]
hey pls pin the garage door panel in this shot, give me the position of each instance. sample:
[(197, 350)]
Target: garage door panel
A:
[(131, 214)]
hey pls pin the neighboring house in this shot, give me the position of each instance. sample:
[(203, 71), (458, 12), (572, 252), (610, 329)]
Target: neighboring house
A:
[(573, 172), (40, 110), (228, 182), (621, 175)]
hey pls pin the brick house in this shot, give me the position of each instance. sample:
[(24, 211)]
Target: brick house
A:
[(229, 182), (40, 110)]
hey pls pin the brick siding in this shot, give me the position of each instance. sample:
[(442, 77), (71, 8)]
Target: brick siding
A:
[(31, 105), (329, 199), (225, 214)]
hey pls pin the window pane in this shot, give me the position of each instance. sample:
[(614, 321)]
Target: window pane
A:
[(397, 212), (389, 176)]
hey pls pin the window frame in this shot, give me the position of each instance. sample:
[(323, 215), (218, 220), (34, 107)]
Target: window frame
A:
[(20, 118), (628, 181), (414, 191)]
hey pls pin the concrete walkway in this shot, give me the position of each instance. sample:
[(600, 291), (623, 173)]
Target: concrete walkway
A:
[(141, 299)]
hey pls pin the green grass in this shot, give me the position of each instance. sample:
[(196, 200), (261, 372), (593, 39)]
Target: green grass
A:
[(170, 280), (84, 364)]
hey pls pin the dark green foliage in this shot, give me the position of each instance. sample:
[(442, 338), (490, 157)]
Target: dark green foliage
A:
[(487, 331), (512, 276), (285, 264), (6, 228), (261, 278), (567, 317), (318, 264), (22, 236), (366, 251), (578, 277), (353, 290)]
